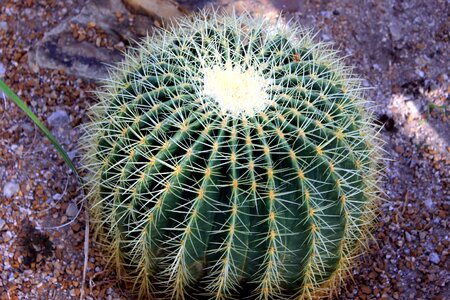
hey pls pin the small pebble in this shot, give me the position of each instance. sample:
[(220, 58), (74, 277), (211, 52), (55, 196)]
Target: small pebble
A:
[(2, 70), (2, 223), (408, 237), (422, 235), (434, 258), (57, 197), (7, 236), (3, 26), (72, 154), (71, 210), (27, 127), (10, 188), (395, 30), (420, 73), (326, 14), (58, 118)]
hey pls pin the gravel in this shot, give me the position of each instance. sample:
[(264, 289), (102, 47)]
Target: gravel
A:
[(399, 47)]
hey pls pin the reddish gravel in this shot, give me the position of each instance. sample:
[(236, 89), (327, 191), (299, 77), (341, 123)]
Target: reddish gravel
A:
[(401, 48)]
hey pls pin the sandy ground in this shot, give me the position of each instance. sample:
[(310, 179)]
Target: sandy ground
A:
[(400, 48)]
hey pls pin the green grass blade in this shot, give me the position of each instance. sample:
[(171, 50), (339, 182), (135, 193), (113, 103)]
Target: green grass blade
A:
[(10, 94)]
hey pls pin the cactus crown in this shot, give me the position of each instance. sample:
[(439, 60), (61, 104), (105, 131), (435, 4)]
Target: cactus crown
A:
[(230, 157)]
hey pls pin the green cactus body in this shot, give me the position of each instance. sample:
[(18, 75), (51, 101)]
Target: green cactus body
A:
[(230, 157)]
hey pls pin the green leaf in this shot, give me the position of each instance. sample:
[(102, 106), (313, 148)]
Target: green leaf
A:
[(9, 93)]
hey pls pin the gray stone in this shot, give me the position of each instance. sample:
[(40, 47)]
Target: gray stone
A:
[(434, 258), (2, 223), (2, 70), (326, 14), (27, 127), (58, 118), (429, 203), (3, 26), (395, 30), (10, 188), (72, 210), (408, 237), (420, 73), (72, 154), (422, 235)]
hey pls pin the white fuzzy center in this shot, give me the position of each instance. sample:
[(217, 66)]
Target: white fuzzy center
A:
[(236, 91)]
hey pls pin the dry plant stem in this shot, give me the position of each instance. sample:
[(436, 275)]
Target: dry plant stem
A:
[(86, 247)]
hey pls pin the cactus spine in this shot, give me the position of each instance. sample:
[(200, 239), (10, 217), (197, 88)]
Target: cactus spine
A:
[(229, 157)]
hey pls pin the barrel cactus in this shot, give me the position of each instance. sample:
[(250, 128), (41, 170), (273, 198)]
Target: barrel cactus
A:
[(231, 157)]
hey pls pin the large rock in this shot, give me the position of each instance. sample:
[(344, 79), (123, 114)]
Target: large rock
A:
[(87, 56), (163, 9)]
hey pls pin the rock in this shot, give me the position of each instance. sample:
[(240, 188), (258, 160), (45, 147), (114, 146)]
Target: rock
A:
[(7, 236), (10, 188), (395, 30), (27, 127), (72, 293), (72, 154), (420, 73), (408, 236), (434, 258), (429, 203), (57, 197), (72, 210), (81, 56), (58, 119), (326, 14), (422, 235), (2, 223), (2, 70), (3, 26), (163, 9)]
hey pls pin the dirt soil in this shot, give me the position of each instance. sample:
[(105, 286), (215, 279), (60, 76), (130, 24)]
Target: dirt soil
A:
[(400, 48)]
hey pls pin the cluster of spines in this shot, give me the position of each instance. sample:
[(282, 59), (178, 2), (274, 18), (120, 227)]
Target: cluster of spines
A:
[(182, 190)]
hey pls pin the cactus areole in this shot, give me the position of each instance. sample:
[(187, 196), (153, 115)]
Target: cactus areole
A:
[(230, 157)]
